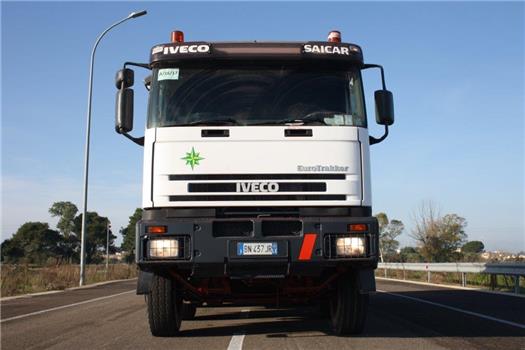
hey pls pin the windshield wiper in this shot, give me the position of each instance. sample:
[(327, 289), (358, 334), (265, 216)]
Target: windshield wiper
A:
[(220, 121), (315, 117)]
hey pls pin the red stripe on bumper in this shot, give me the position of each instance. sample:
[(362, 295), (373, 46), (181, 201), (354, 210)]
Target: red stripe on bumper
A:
[(307, 246)]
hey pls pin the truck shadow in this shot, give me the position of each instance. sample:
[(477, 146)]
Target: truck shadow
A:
[(389, 316)]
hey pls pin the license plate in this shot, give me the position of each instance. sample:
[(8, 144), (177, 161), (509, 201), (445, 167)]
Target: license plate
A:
[(259, 248)]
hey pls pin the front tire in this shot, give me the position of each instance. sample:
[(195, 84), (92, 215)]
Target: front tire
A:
[(164, 307), (348, 307)]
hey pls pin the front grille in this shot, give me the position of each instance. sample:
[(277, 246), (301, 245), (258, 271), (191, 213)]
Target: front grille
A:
[(269, 197), (234, 187), (201, 177)]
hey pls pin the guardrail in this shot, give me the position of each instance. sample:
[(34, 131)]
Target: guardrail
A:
[(493, 269)]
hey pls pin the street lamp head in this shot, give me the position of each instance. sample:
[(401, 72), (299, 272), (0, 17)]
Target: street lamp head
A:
[(137, 14)]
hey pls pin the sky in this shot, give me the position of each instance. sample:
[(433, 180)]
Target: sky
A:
[(456, 71)]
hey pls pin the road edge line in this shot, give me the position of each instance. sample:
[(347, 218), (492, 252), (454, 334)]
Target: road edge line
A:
[(63, 307), (30, 295), (471, 313)]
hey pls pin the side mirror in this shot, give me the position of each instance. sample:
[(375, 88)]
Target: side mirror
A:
[(124, 111), (384, 107), (125, 78)]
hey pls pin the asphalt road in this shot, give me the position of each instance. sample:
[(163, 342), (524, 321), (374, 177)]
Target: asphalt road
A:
[(401, 316)]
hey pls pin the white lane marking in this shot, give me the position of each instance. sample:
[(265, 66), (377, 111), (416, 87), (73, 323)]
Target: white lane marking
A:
[(449, 286), (237, 339), (514, 324), (63, 307), (236, 342)]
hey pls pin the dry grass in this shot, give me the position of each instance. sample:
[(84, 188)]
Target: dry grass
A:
[(23, 279)]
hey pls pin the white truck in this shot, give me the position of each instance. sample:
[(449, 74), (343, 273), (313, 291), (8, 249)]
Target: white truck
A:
[(256, 178)]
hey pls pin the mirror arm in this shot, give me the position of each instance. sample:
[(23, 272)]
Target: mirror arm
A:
[(370, 65), (142, 65), (372, 140), (138, 140)]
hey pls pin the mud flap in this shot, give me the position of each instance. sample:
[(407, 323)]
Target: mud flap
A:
[(367, 281), (144, 282)]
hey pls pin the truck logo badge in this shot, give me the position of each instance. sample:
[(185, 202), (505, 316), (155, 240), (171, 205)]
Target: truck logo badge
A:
[(257, 187), (186, 49), (192, 158), (326, 49)]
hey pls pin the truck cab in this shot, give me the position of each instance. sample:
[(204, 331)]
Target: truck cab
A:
[(256, 182)]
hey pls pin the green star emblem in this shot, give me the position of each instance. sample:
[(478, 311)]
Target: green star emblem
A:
[(192, 158)]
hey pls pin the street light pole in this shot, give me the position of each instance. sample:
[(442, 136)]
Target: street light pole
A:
[(107, 244), (88, 132)]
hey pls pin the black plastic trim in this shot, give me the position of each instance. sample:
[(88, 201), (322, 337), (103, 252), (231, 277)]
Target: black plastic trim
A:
[(215, 133), (298, 133), (243, 212)]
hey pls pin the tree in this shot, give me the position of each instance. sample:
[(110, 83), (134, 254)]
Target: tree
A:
[(472, 250), (128, 233), (388, 232), (474, 247), (11, 252), (66, 212), (96, 233), (33, 243), (438, 237), (410, 254)]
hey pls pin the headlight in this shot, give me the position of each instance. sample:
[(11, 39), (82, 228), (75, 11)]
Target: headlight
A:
[(163, 248), (350, 246)]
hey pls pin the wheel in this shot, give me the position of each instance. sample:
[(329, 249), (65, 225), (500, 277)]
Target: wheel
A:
[(164, 307), (348, 307), (188, 311)]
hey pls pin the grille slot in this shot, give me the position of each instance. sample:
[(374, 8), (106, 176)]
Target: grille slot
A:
[(232, 228), (282, 187), (269, 197), (189, 177), (281, 227)]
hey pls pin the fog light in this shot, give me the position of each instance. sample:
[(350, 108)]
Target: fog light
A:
[(350, 246), (163, 248)]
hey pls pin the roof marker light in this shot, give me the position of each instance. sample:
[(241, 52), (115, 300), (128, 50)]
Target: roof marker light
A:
[(177, 36), (334, 36)]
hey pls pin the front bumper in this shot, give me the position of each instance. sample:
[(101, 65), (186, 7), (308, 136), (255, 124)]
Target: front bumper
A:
[(209, 246)]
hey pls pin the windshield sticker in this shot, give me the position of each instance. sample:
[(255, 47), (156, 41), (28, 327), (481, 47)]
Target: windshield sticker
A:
[(168, 74)]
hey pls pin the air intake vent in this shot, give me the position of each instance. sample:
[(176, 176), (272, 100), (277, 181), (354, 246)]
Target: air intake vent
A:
[(281, 227), (232, 228)]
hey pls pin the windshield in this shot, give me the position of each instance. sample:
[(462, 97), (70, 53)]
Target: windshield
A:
[(255, 96)]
